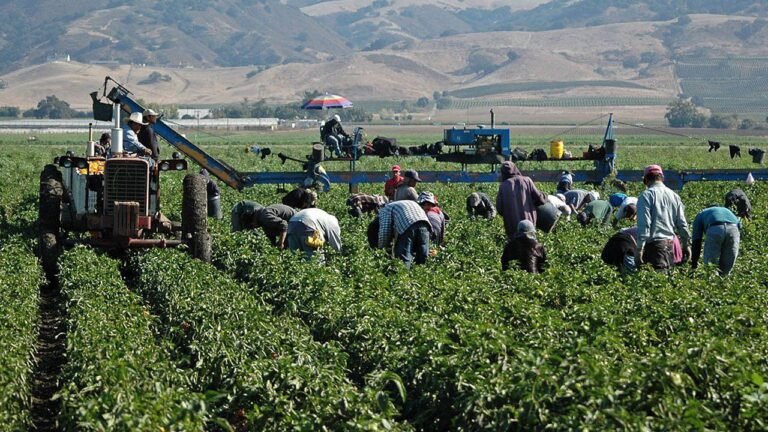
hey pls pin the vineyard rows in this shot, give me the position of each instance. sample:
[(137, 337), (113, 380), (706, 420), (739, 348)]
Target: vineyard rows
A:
[(727, 86), (559, 102)]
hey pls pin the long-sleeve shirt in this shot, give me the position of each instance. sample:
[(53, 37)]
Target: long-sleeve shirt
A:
[(623, 206), (576, 197), (274, 218), (712, 216), (559, 204), (148, 138), (367, 203), (131, 142), (479, 204), (437, 219), (319, 220), (244, 215), (396, 217), (517, 200), (600, 210), (660, 213), (739, 199)]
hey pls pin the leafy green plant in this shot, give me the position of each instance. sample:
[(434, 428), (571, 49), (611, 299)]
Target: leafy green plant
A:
[(117, 377), (20, 278), (268, 370)]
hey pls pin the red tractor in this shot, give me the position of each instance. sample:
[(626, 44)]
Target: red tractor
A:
[(116, 201)]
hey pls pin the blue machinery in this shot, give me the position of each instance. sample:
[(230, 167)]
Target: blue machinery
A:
[(468, 146)]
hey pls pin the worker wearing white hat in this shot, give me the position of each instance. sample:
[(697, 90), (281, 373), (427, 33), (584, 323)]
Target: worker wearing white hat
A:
[(147, 136), (333, 135), (131, 141)]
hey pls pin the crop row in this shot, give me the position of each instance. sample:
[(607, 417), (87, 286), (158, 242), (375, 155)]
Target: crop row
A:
[(570, 101), (117, 377), (479, 349), (723, 68), (269, 372), (20, 279), (494, 89)]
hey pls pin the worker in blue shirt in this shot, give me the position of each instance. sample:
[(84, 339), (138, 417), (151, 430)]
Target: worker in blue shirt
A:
[(131, 143), (722, 230)]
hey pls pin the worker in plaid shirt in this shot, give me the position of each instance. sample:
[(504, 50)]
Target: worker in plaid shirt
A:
[(362, 203), (406, 222)]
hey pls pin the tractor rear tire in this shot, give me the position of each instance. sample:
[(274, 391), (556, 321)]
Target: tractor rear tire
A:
[(194, 216), (51, 196)]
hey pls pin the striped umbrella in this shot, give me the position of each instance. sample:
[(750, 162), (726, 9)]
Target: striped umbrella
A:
[(327, 101)]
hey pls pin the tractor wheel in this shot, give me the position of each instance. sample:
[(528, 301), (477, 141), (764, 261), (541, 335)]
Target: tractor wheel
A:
[(194, 216), (51, 196), (48, 250)]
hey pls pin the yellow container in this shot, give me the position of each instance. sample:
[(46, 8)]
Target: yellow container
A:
[(556, 149)]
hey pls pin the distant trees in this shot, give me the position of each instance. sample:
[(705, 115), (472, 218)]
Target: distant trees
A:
[(683, 113), (54, 108), (422, 102), (155, 77), (9, 111)]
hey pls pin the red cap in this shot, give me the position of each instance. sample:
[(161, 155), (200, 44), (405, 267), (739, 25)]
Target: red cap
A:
[(395, 167), (652, 169)]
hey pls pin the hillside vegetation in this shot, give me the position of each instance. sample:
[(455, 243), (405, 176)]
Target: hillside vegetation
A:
[(223, 51)]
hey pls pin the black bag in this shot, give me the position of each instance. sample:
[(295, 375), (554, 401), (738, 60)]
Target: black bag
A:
[(384, 147)]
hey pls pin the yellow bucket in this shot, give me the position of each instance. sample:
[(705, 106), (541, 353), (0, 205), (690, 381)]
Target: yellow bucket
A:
[(556, 149)]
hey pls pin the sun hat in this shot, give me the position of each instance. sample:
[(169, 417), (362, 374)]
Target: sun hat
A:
[(428, 197), (136, 117), (412, 174), (150, 112), (395, 167), (652, 169)]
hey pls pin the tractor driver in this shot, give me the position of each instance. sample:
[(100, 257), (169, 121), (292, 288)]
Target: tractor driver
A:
[(333, 134), (131, 143)]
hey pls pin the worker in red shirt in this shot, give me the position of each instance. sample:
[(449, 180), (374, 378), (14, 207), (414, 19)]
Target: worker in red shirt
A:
[(391, 185)]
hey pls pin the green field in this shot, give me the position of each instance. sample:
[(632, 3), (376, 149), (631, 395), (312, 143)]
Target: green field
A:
[(262, 340)]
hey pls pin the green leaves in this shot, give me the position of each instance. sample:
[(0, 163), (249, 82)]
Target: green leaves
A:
[(20, 278), (117, 377)]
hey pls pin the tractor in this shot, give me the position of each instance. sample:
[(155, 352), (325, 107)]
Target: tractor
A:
[(116, 201)]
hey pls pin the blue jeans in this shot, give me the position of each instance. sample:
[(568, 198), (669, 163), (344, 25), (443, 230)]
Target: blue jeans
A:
[(413, 244), (722, 246), (334, 143)]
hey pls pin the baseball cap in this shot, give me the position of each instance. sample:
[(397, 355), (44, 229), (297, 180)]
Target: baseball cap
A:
[(652, 169), (395, 167), (427, 197), (412, 174)]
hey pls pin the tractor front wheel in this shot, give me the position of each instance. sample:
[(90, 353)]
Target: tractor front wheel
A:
[(194, 217)]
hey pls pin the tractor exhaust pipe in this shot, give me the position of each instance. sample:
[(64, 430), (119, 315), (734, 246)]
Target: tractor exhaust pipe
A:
[(493, 120), (91, 148), (117, 132)]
